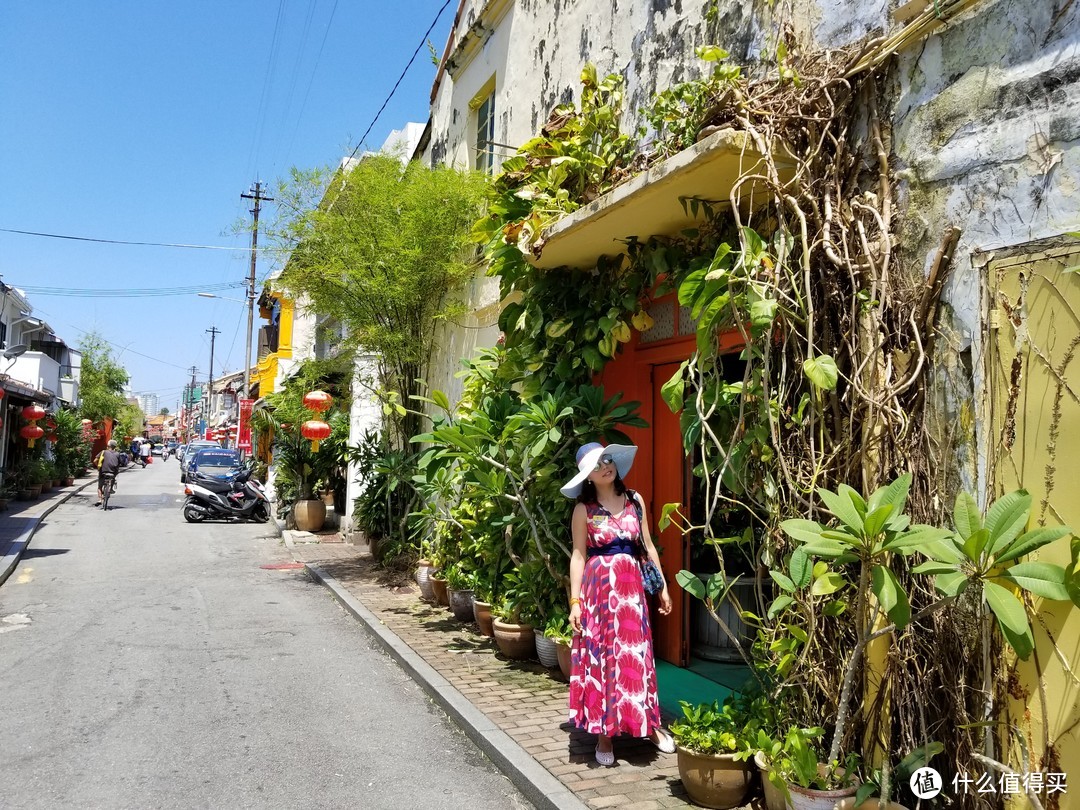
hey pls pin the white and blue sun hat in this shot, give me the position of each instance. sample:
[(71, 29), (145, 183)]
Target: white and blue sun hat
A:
[(589, 455)]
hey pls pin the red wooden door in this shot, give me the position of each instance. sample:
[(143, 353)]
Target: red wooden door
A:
[(669, 485)]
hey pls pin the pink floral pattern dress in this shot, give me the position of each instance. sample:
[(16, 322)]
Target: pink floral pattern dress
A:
[(613, 673)]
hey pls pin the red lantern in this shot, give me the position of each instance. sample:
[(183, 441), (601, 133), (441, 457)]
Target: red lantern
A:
[(50, 425), (31, 433), (318, 401), (31, 413), (315, 431), (51, 438)]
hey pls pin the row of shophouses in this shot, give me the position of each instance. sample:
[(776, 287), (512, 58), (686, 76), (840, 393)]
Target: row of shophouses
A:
[(985, 125), (37, 367)]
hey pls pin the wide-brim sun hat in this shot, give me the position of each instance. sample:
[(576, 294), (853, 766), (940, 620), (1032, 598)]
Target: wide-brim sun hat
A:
[(588, 456)]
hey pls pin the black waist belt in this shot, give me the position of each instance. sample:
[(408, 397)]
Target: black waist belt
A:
[(614, 547)]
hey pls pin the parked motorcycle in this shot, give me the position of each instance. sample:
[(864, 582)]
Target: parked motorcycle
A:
[(239, 496)]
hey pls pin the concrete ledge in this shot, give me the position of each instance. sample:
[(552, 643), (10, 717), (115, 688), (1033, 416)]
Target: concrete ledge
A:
[(528, 775)]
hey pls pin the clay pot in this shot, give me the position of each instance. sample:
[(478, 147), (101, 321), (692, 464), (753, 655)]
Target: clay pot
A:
[(309, 515), (423, 579), (563, 651), (482, 615), (714, 780), (515, 641), (461, 603), (545, 650), (813, 799), (69, 482), (868, 804), (438, 586)]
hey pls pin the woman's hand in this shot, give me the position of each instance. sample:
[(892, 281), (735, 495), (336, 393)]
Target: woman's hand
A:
[(575, 617), (665, 601)]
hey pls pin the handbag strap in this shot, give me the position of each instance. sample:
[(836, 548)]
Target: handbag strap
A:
[(640, 519)]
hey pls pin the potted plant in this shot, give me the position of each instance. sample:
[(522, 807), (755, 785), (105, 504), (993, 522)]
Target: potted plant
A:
[(483, 594), (712, 746), (459, 583), (557, 630), (438, 581), (547, 636), (796, 769), (868, 796)]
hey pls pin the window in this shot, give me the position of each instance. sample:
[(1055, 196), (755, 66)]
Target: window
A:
[(485, 135)]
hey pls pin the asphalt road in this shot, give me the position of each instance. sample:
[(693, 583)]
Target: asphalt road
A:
[(146, 662)]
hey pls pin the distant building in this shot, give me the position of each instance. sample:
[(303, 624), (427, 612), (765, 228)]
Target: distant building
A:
[(148, 403)]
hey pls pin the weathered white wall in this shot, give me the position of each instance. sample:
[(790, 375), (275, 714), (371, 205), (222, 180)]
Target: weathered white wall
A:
[(986, 130)]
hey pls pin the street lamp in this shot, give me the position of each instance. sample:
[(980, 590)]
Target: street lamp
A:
[(222, 297)]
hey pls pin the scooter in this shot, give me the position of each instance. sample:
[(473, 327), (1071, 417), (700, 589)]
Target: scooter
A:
[(237, 497)]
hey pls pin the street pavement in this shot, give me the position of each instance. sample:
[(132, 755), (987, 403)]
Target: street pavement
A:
[(148, 662)]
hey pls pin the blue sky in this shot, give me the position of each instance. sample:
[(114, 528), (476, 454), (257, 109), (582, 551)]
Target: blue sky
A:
[(145, 122)]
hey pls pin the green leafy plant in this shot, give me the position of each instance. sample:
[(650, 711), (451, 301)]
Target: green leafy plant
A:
[(558, 628)]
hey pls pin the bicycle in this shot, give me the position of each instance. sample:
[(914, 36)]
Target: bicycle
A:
[(107, 488)]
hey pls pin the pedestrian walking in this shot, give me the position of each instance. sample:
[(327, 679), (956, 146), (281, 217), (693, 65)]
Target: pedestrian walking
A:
[(613, 672)]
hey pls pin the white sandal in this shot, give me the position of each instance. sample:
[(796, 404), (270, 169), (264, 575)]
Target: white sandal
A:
[(664, 744), (605, 758)]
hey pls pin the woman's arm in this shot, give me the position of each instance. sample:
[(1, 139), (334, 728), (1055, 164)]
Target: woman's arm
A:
[(650, 549), (578, 526)]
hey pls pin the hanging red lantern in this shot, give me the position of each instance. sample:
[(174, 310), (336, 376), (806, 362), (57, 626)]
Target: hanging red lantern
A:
[(31, 433), (315, 431), (51, 437), (50, 425), (31, 413), (318, 401)]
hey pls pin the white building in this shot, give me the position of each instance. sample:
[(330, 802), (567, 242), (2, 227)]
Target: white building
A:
[(148, 404)]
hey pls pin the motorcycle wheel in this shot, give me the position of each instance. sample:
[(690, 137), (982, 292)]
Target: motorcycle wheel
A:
[(260, 514), (193, 514)]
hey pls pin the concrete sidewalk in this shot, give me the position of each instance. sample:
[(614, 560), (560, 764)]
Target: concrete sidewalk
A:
[(515, 712), (21, 519)]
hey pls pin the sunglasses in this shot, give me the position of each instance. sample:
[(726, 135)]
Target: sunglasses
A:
[(604, 461)]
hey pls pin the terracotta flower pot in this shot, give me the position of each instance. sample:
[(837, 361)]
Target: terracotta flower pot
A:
[(442, 597), (309, 515), (714, 780), (515, 641), (562, 649), (482, 615), (423, 579), (461, 603), (545, 650), (69, 481)]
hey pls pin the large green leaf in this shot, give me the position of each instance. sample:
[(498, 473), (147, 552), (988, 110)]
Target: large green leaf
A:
[(805, 531), (951, 584), (893, 598), (875, 521), (975, 543), (1041, 578), (841, 505), (919, 538), (781, 602), (895, 493), (1030, 541), (830, 583), (934, 567), (672, 390), (691, 584), (966, 515), (801, 568), (821, 371), (1008, 609), (783, 580), (1006, 518)]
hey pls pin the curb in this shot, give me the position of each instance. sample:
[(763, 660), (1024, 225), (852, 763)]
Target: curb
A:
[(534, 781), (18, 544)]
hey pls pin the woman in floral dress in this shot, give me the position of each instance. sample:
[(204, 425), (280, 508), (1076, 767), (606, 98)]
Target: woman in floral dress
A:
[(613, 674)]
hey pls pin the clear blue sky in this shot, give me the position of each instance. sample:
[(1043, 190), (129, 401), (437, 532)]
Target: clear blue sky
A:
[(144, 122)]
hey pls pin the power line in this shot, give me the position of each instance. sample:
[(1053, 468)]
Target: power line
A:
[(138, 292), (124, 242), (423, 41)]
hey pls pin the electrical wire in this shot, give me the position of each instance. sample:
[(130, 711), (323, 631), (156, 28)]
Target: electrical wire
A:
[(423, 41), (124, 242), (145, 292)]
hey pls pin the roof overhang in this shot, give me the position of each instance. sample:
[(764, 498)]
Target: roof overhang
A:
[(18, 389), (656, 202)]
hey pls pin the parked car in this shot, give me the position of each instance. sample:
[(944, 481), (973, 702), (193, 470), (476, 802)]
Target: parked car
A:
[(189, 453), (213, 462), (155, 449)]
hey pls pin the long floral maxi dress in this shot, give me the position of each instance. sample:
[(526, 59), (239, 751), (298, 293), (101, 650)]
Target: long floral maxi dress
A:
[(613, 674)]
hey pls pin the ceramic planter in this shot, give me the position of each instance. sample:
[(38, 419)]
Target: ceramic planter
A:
[(774, 797), (482, 615), (812, 799), (545, 650), (423, 579), (868, 804), (562, 649), (309, 515), (515, 641), (442, 596), (714, 780), (461, 603), (69, 481)]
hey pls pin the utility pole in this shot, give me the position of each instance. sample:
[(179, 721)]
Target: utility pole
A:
[(191, 401), (258, 197), (213, 331)]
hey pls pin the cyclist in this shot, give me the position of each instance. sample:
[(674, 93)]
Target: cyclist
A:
[(108, 464)]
